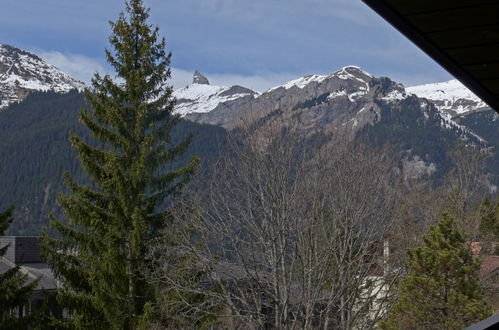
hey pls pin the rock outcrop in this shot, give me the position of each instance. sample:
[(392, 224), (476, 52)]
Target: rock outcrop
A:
[(199, 78)]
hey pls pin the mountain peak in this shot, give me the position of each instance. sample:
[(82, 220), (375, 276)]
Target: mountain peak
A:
[(8, 50), (352, 71), (199, 78), (347, 73), (22, 72)]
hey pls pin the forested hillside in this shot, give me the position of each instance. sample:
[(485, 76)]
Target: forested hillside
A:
[(416, 133), (487, 124), (35, 152)]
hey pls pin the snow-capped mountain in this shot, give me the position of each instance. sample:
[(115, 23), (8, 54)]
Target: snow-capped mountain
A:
[(22, 72), (450, 97), (323, 100), (349, 98), (345, 73), (350, 101), (201, 97)]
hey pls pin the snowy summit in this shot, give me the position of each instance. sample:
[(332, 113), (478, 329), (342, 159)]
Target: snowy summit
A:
[(449, 97), (22, 72), (345, 73), (201, 97)]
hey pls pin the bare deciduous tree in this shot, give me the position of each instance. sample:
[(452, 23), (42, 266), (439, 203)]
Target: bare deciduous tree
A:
[(466, 187), (288, 235)]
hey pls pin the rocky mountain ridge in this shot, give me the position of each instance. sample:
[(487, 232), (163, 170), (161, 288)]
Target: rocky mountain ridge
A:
[(349, 98), (347, 92), (344, 87), (353, 102), (22, 72)]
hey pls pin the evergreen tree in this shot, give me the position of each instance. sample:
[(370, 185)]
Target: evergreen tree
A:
[(102, 253), (489, 226), (442, 290), (14, 291)]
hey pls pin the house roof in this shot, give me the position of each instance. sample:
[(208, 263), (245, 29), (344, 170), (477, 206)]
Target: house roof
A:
[(24, 251), (34, 271), (461, 35)]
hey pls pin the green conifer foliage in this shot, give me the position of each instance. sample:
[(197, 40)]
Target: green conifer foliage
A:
[(442, 290), (489, 226), (14, 291), (102, 253)]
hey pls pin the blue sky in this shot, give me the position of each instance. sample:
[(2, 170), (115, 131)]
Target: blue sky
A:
[(255, 43)]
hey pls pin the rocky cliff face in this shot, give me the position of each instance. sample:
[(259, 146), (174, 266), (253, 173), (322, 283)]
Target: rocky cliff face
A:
[(22, 72), (199, 78)]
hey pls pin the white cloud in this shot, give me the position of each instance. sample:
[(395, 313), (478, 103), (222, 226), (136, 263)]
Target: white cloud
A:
[(82, 67), (180, 78), (77, 66)]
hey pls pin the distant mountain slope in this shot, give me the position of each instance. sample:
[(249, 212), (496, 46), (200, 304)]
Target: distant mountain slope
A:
[(450, 97), (34, 147), (458, 104), (346, 98), (349, 98), (344, 88), (378, 108), (22, 72), (487, 123), (201, 97), (35, 151)]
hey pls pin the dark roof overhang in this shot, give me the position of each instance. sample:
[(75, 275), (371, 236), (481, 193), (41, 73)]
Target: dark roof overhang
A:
[(461, 35)]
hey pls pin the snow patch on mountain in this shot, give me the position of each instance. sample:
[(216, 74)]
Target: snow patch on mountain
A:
[(447, 90), (345, 73), (352, 72), (354, 96), (450, 97), (200, 97), (301, 82), (336, 94), (448, 123), (22, 72), (395, 95)]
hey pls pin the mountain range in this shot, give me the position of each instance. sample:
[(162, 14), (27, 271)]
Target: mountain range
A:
[(349, 90), (39, 105)]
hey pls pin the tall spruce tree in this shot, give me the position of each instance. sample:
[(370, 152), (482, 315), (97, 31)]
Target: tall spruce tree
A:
[(489, 225), (442, 290), (101, 254), (14, 289)]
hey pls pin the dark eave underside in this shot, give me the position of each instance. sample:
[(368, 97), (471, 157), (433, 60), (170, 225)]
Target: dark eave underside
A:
[(461, 35)]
